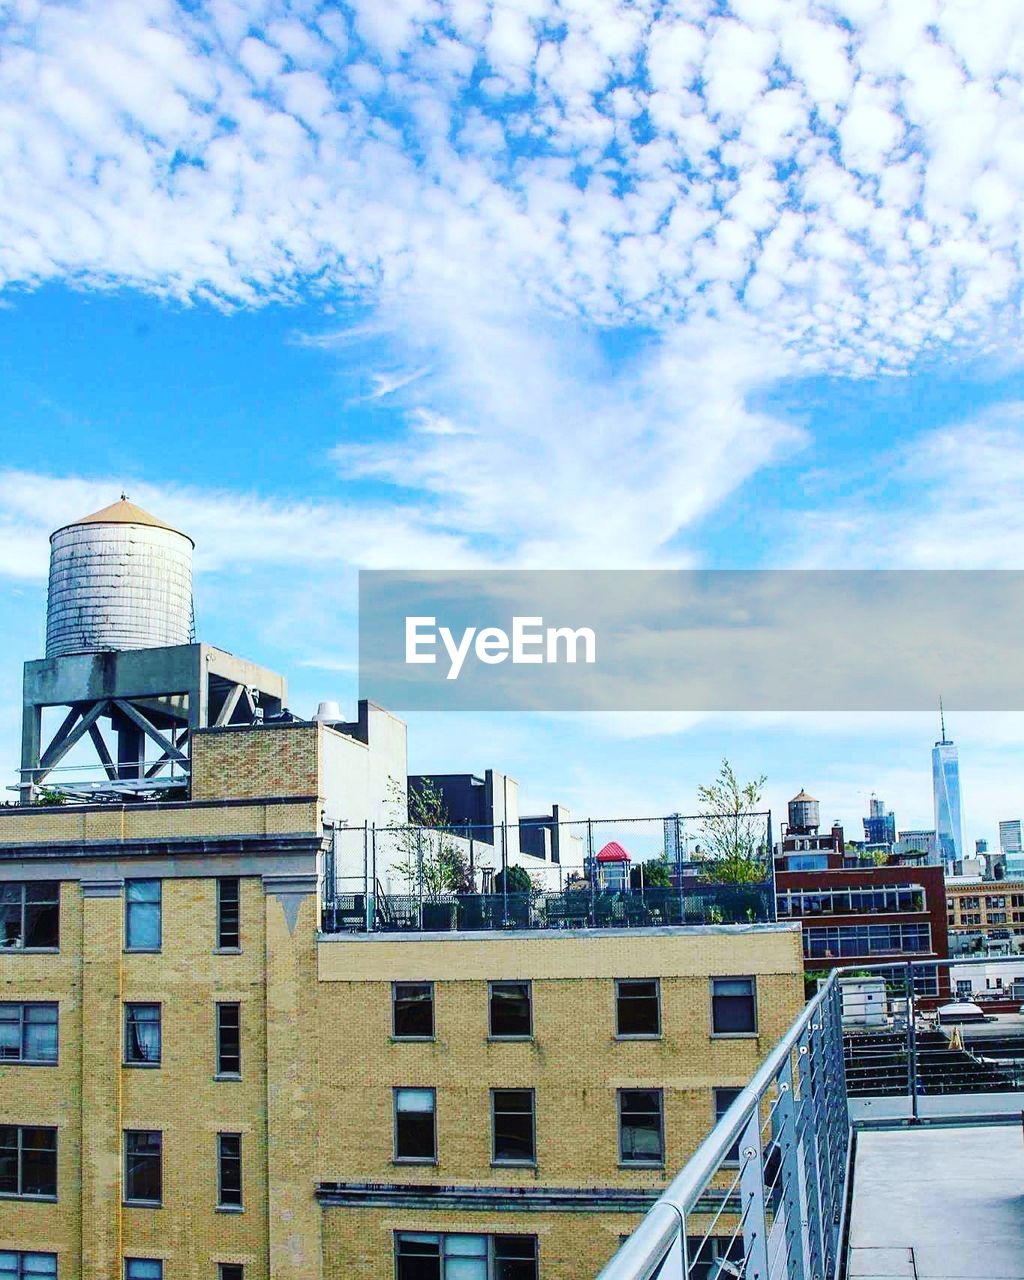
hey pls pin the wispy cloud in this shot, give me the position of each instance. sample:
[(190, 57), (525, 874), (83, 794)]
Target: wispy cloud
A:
[(949, 498), (231, 530), (386, 384)]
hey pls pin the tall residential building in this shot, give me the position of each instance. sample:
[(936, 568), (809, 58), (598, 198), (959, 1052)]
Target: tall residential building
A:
[(879, 825), (946, 790)]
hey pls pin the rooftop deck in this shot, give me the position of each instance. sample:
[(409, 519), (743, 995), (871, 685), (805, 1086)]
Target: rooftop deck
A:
[(938, 1203)]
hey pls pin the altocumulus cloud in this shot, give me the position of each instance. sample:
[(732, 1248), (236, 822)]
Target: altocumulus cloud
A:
[(846, 174)]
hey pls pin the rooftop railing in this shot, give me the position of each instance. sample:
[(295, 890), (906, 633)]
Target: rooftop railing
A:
[(583, 908), (547, 874), (765, 1195)]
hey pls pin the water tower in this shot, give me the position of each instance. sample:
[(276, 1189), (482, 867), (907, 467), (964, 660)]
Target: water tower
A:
[(123, 663), (804, 814)]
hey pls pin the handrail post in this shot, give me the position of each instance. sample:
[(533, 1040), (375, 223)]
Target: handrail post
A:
[(911, 1040), (755, 1215), (807, 1130), (789, 1172)]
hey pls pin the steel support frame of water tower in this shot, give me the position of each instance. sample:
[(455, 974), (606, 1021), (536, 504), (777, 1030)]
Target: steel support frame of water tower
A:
[(160, 694)]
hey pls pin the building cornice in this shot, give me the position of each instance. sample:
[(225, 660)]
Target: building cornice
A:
[(296, 844), (524, 1199)]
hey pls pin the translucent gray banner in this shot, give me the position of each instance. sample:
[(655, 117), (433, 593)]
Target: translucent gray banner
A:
[(700, 640)]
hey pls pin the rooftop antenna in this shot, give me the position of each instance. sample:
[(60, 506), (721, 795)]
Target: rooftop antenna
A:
[(942, 718)]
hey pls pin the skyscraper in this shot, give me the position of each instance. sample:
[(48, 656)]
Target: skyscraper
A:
[(946, 789), (1011, 845), (879, 825)]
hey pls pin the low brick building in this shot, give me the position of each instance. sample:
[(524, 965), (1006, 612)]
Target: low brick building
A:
[(850, 908)]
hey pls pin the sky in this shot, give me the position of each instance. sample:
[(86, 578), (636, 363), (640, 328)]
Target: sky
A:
[(523, 283)]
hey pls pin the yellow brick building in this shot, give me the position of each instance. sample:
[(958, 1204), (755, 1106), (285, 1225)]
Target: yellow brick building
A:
[(196, 1084)]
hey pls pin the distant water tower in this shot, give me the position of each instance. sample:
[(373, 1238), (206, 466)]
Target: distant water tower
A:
[(119, 579), (804, 813), (122, 665)]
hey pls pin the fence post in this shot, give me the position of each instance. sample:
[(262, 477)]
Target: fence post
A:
[(504, 877), (419, 874), (911, 1040), (592, 873), (373, 853), (367, 908)]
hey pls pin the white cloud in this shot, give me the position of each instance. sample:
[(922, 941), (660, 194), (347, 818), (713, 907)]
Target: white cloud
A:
[(620, 163)]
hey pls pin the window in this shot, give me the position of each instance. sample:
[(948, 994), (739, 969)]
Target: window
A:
[(229, 1170), (412, 1010), (30, 915), (706, 1254), (637, 1007), (512, 1127), (415, 1133), (849, 941), (997, 917), (511, 1015), (143, 1157), (641, 1131), (733, 1006), (230, 1271), (142, 1035), (28, 1161), (964, 988), (229, 1039), (807, 862), (423, 1256), (229, 937), (903, 898), (27, 1266), (28, 1033), (724, 1098), (143, 909), (143, 1269)]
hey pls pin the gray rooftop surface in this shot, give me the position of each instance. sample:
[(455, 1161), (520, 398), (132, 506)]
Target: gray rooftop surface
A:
[(938, 1203)]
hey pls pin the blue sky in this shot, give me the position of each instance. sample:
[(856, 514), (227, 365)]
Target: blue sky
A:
[(567, 283)]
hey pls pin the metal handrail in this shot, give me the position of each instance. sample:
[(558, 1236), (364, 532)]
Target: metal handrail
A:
[(810, 1133)]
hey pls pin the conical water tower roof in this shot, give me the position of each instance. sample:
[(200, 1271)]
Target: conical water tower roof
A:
[(122, 512), (802, 798)]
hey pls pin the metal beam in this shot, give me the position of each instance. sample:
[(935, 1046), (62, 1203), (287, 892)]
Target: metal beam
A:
[(58, 739), (180, 738), (101, 750), (151, 731), (227, 709), (57, 750)]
